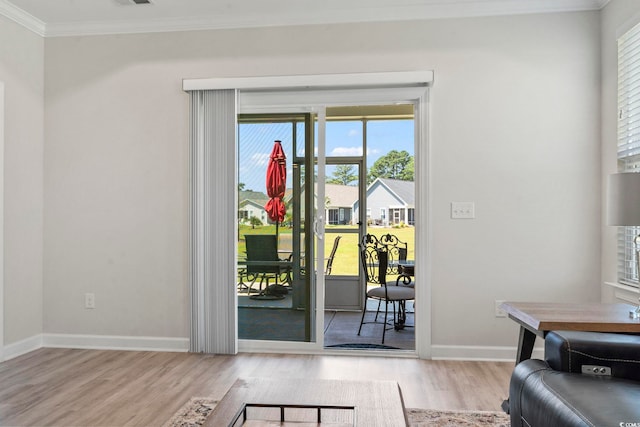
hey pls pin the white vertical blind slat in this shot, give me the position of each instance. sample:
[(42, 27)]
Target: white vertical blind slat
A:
[(212, 237)]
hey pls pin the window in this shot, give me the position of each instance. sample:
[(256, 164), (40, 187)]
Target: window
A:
[(628, 140)]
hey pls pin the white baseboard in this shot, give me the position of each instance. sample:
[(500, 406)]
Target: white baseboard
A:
[(114, 342), (95, 342), (24, 346), (467, 352)]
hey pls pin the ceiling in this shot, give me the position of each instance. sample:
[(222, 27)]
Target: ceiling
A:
[(54, 18)]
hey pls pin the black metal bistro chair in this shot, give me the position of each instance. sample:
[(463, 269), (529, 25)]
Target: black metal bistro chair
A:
[(396, 249), (263, 262), (374, 258)]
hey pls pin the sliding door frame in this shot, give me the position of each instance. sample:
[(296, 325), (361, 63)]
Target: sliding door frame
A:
[(284, 93)]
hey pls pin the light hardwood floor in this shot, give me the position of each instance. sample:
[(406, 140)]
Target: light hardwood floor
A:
[(66, 387)]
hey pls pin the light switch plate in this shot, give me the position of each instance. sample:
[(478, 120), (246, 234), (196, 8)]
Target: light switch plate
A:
[(463, 210)]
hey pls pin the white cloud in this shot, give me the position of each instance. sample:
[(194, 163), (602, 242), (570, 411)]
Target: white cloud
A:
[(351, 151), (346, 151), (260, 159)]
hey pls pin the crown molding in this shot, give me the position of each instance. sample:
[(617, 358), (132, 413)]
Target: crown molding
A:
[(30, 22), (389, 11)]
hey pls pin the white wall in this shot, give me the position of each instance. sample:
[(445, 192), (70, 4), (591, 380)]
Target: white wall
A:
[(515, 125), (617, 17), (115, 188), (21, 70), (515, 128)]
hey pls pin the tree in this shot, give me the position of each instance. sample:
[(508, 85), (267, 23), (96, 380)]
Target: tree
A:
[(394, 165), (255, 222), (343, 175)]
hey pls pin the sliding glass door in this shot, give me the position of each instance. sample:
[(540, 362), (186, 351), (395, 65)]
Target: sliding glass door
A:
[(315, 279), (275, 288), (369, 190), (359, 186)]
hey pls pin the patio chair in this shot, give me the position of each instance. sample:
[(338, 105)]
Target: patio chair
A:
[(374, 259), (327, 270), (396, 249), (261, 249)]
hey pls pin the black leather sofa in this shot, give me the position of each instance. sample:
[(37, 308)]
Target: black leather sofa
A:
[(587, 379)]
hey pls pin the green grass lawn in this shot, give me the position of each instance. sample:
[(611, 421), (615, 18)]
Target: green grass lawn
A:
[(346, 260), (347, 256)]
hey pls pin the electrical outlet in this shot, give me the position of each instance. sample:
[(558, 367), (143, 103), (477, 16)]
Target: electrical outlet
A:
[(89, 300), (499, 312)]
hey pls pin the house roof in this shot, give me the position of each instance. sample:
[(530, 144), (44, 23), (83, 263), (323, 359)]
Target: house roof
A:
[(340, 195), (257, 204), (255, 196), (404, 190)]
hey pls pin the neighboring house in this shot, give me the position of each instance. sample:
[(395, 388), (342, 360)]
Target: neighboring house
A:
[(339, 203), (252, 205), (338, 206), (390, 202)]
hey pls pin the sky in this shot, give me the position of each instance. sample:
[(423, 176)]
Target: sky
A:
[(343, 138)]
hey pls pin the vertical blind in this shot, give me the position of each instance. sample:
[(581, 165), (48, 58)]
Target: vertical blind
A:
[(628, 140), (212, 156)]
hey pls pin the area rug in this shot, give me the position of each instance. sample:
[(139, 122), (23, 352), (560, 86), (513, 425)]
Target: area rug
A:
[(195, 411), (430, 417)]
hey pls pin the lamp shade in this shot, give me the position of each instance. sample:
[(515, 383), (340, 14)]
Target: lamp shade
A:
[(623, 199)]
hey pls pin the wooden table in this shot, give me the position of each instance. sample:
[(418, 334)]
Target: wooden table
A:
[(537, 319), (377, 403)]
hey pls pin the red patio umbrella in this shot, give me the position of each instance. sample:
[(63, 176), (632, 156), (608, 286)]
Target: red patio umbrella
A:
[(276, 182)]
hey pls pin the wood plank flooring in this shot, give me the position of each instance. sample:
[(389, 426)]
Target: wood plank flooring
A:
[(67, 387)]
